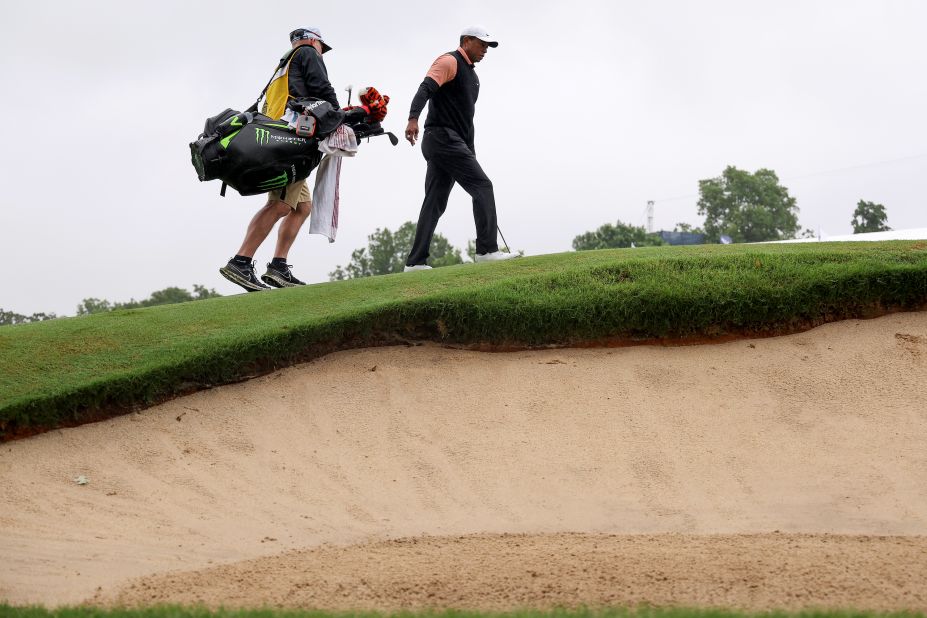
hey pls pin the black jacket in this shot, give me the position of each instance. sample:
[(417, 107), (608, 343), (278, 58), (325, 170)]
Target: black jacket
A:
[(308, 77)]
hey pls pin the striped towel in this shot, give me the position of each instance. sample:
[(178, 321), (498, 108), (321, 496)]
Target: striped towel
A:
[(341, 143), (326, 198)]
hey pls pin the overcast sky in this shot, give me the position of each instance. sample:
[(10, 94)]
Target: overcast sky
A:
[(586, 111)]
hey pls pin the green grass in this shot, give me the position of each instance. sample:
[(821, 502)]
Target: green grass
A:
[(185, 612), (67, 371)]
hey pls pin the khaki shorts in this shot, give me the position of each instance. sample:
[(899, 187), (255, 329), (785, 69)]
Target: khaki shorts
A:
[(295, 193)]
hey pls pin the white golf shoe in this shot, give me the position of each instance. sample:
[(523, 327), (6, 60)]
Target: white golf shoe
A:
[(495, 256), (409, 269)]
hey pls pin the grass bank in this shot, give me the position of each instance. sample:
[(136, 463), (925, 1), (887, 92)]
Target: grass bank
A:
[(67, 371)]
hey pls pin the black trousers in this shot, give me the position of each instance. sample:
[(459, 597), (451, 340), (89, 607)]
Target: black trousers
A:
[(451, 160)]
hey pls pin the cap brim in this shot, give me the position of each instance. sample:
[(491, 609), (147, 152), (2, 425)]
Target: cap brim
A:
[(490, 43)]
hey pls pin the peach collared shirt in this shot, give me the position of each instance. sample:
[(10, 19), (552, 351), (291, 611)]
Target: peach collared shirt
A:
[(444, 69)]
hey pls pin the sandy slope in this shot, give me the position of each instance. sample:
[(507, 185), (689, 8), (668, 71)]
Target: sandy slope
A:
[(821, 432), (545, 571)]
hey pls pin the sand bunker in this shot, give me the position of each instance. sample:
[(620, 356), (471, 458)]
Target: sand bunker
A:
[(733, 457), (503, 572)]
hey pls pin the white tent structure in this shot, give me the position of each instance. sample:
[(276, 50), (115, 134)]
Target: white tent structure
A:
[(919, 233)]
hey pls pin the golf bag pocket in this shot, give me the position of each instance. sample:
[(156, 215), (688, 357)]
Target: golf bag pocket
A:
[(267, 156), (212, 124), (306, 125), (208, 151), (327, 117), (208, 157)]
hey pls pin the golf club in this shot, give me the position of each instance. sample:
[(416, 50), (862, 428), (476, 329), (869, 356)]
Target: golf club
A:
[(507, 250)]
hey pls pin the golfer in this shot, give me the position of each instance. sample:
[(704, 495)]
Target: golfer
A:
[(451, 88)]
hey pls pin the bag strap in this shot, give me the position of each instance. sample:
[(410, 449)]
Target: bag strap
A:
[(283, 62)]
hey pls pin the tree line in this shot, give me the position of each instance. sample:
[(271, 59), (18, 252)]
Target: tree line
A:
[(167, 296), (738, 207)]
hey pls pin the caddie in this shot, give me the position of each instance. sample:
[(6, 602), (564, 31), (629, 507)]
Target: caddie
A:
[(303, 76)]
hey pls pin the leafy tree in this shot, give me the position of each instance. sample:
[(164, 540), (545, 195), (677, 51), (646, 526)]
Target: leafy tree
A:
[(9, 317), (387, 252), (167, 296), (171, 295), (686, 228), (747, 207), (869, 217), (616, 236), (93, 305), (809, 233)]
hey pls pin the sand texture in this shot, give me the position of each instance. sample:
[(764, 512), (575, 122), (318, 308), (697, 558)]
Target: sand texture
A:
[(547, 571), (784, 472)]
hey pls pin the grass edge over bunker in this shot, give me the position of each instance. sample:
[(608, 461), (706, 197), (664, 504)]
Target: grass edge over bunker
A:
[(71, 371)]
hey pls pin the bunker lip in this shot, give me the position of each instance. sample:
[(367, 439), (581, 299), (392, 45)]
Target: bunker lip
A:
[(819, 433), (11, 430)]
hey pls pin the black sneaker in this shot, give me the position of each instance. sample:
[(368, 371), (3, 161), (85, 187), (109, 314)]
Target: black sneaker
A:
[(243, 275), (280, 276)]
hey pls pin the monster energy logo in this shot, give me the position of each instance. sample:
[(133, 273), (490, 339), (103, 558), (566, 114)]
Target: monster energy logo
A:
[(274, 183), (261, 135)]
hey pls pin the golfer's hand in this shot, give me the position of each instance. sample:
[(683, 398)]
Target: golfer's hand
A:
[(412, 130)]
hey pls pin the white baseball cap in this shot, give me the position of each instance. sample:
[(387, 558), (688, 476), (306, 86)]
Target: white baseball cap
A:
[(309, 33), (480, 33)]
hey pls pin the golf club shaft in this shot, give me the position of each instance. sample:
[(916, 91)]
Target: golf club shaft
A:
[(507, 250)]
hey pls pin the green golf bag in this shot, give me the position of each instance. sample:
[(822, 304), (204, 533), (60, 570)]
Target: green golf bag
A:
[(253, 153)]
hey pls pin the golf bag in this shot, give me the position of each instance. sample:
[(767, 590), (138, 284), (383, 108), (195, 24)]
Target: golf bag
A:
[(253, 153)]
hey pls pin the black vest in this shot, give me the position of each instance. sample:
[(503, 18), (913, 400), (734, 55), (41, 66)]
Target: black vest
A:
[(452, 106)]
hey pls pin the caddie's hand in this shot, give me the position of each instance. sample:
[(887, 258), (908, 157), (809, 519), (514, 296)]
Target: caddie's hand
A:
[(412, 130)]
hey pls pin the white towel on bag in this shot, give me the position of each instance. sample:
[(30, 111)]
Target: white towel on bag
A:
[(341, 143), (323, 219)]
